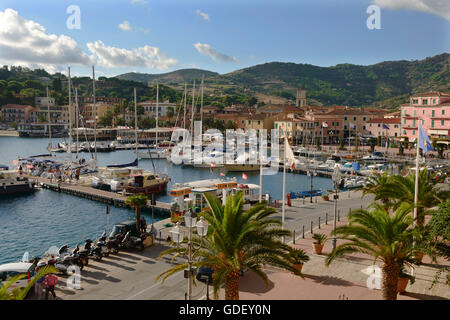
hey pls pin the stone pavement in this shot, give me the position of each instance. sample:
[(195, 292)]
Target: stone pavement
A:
[(343, 279)]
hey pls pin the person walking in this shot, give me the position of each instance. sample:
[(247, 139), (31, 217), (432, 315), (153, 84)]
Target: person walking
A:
[(38, 286), (143, 225), (77, 174), (50, 281)]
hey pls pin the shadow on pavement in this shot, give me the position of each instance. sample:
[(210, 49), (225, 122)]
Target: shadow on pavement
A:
[(252, 283), (422, 296), (330, 281)]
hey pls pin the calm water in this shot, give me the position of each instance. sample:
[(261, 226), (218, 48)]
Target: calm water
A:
[(35, 222)]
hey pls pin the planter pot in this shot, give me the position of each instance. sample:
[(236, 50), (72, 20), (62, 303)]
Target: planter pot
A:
[(318, 248), (419, 257), (298, 267), (326, 198), (401, 284)]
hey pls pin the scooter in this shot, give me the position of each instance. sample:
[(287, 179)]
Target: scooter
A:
[(130, 242), (82, 256), (103, 244), (93, 249)]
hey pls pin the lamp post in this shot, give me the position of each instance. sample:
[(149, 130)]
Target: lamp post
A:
[(177, 234), (311, 172), (336, 179)]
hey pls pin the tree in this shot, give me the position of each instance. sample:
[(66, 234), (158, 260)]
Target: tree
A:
[(237, 240), (106, 119), (385, 237), (401, 189), (375, 183), (6, 293), (137, 202)]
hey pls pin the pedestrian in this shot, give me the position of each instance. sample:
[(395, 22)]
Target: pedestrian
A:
[(143, 225), (20, 169), (50, 281), (38, 285), (77, 174)]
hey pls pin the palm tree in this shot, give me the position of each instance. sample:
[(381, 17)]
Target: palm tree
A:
[(385, 237), (401, 189), (137, 201), (376, 183), (237, 241), (20, 293)]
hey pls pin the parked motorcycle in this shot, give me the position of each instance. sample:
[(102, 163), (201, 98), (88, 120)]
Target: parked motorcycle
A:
[(93, 249), (129, 242)]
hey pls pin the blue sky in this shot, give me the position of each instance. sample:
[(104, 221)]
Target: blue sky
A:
[(230, 34)]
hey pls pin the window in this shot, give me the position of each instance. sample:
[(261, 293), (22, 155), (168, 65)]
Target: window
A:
[(345, 127), (259, 121), (337, 124), (433, 113), (404, 131), (424, 101), (345, 118), (415, 113), (364, 127), (442, 122), (443, 112), (414, 122), (434, 101), (404, 121), (378, 125), (414, 132), (364, 118), (354, 118), (423, 112), (432, 123), (415, 101)]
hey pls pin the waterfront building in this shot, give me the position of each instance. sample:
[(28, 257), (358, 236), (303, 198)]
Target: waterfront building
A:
[(19, 113), (163, 108), (432, 109), (377, 127), (45, 105)]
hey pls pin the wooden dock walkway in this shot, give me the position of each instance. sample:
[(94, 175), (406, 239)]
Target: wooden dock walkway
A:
[(112, 198)]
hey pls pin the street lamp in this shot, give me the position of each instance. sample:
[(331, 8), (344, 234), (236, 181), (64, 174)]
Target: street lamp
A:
[(336, 180), (202, 229), (311, 172)]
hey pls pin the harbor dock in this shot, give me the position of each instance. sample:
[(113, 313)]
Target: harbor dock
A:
[(111, 198)]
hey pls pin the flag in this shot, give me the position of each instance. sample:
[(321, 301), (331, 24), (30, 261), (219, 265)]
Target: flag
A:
[(352, 126), (424, 141), (324, 124), (222, 174), (293, 165), (385, 127), (244, 176), (213, 165), (388, 143)]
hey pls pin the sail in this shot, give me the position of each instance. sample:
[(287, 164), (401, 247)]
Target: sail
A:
[(289, 152), (132, 164)]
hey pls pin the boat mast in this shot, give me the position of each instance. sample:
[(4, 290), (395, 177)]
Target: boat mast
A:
[(192, 111), (157, 111), (77, 117), (69, 150), (201, 103), (49, 123), (95, 114), (135, 122), (185, 99)]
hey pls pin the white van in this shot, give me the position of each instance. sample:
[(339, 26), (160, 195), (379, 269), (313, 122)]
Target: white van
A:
[(9, 270)]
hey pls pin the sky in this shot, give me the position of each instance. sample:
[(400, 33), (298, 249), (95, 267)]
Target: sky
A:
[(158, 36)]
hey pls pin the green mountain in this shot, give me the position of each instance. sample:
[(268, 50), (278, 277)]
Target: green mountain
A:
[(170, 78), (385, 84)]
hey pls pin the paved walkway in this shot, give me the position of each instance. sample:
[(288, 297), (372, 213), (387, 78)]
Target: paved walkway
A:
[(344, 279)]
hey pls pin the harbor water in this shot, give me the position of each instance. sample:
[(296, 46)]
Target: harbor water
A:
[(37, 221)]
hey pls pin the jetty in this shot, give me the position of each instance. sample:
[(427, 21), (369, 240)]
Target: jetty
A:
[(111, 198)]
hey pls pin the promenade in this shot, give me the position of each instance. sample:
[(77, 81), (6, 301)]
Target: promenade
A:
[(131, 275)]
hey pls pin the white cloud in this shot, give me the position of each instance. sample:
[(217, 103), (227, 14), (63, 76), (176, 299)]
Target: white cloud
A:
[(437, 7), (207, 50), (146, 56), (139, 1), (125, 26), (204, 15), (27, 43)]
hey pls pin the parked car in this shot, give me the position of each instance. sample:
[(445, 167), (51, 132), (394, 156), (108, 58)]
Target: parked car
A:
[(9, 270), (123, 227)]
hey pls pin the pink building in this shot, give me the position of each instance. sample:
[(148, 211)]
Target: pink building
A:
[(376, 128), (19, 113), (431, 110)]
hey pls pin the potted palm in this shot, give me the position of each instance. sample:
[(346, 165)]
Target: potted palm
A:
[(403, 279), (298, 258), (325, 197), (319, 242)]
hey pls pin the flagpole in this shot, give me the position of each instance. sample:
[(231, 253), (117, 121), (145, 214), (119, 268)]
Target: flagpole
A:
[(283, 210), (260, 167), (416, 188)]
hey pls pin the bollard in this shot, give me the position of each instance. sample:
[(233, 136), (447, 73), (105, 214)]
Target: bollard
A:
[(293, 240), (326, 217), (339, 215), (316, 199), (311, 227), (160, 237), (303, 235), (319, 222)]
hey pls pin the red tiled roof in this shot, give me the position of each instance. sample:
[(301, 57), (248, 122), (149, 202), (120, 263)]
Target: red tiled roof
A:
[(432, 94), (17, 106)]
